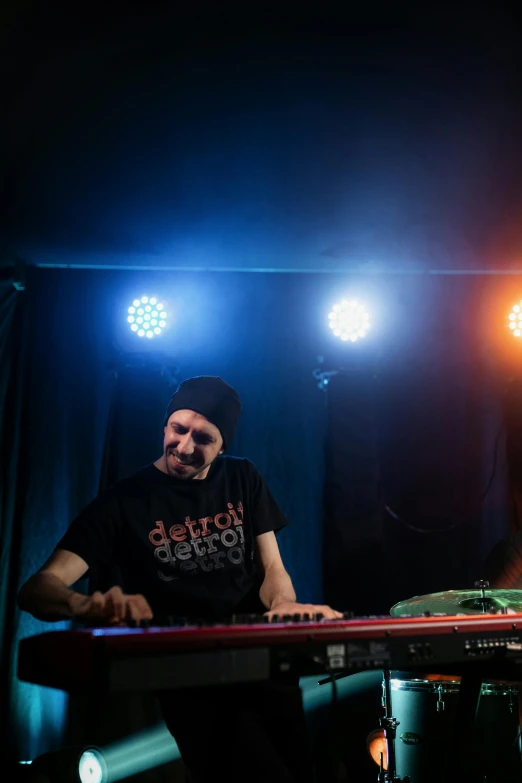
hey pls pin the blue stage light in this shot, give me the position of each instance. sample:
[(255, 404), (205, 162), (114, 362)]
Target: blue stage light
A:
[(147, 317), (349, 320)]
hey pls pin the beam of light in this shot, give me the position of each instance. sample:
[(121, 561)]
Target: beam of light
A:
[(515, 320), (349, 320), (141, 751), (147, 317)]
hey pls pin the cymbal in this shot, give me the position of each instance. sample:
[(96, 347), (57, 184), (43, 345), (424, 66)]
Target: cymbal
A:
[(488, 601)]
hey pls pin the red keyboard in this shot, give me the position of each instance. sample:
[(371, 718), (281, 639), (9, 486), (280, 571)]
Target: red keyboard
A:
[(156, 658)]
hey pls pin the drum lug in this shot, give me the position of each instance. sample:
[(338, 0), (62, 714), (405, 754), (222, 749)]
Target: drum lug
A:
[(440, 701), (389, 724)]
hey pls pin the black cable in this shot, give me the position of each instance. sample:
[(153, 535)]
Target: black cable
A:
[(483, 495), (420, 529)]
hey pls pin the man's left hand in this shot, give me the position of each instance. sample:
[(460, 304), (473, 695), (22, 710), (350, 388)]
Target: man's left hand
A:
[(291, 608)]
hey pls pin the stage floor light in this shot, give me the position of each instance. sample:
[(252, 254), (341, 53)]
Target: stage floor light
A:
[(515, 320), (147, 317), (70, 765), (92, 767), (349, 320), (139, 752)]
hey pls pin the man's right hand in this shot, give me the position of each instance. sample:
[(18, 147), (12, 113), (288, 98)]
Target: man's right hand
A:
[(110, 608)]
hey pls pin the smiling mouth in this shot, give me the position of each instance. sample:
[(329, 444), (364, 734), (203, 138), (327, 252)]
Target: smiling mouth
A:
[(178, 462)]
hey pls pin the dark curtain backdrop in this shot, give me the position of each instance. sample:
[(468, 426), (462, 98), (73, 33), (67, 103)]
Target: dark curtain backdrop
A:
[(353, 552), (513, 419), (11, 346), (263, 334), (442, 431), (417, 484)]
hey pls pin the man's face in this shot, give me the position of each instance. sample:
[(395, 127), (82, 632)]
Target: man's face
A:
[(191, 444)]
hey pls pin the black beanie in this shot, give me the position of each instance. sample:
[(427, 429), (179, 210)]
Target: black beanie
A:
[(211, 397)]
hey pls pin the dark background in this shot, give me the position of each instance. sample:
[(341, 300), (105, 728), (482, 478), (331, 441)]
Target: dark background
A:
[(251, 165)]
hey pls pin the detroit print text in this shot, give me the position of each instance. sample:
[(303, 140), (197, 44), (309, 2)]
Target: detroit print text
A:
[(198, 545)]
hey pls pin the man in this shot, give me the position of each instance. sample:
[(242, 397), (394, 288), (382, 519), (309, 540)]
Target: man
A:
[(192, 535)]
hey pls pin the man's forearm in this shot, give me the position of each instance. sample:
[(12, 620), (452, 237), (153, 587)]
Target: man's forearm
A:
[(47, 598), (276, 588)]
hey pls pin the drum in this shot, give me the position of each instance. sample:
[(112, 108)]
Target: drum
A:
[(426, 711)]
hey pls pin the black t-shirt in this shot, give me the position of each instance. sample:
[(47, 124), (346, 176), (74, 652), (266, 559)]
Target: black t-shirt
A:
[(187, 546)]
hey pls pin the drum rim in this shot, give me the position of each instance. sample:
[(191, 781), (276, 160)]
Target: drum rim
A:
[(418, 685)]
